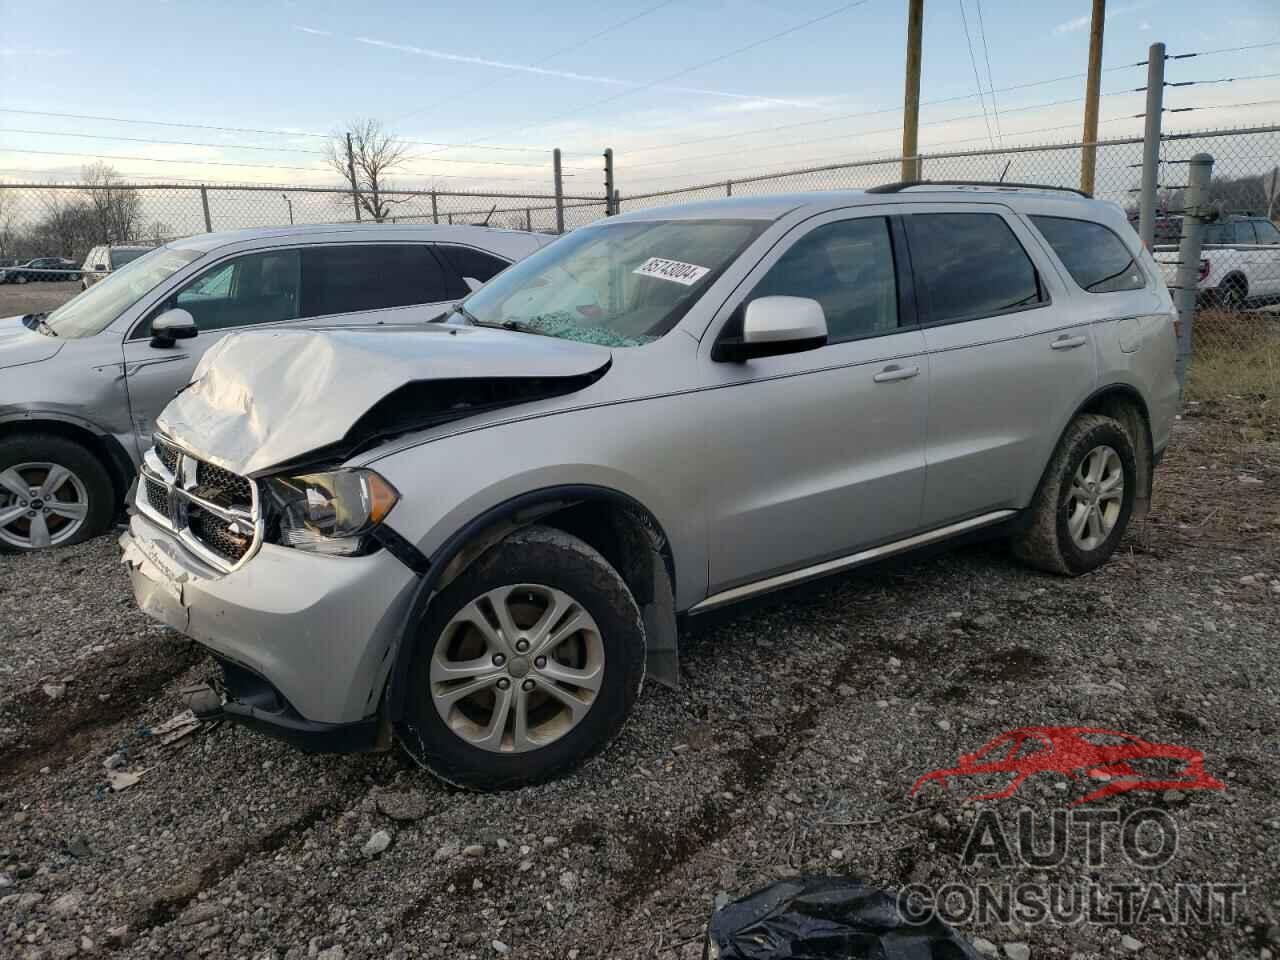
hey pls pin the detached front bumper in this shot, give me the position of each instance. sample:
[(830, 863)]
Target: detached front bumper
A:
[(304, 639)]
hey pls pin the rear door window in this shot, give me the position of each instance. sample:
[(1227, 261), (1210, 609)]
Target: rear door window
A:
[(1244, 232), (1266, 231), (970, 265), (1095, 257), (348, 279)]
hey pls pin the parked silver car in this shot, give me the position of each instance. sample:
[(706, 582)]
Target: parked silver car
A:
[(478, 536), (80, 387)]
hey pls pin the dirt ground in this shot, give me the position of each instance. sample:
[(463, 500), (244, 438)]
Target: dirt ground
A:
[(17, 299), (790, 749)]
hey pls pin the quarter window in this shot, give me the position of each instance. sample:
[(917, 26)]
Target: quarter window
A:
[(848, 268), (348, 279), (970, 265), (1095, 257), (467, 262)]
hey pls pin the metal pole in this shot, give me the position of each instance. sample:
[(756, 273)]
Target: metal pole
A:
[(1151, 145), (351, 172), (617, 201), (555, 163), (204, 202), (609, 210), (728, 188), (435, 214), (528, 219), (1196, 211), (289, 203), (911, 101), (1089, 155)]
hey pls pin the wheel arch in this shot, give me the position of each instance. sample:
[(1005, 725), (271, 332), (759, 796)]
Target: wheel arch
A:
[(623, 530), (109, 451), (1122, 402)]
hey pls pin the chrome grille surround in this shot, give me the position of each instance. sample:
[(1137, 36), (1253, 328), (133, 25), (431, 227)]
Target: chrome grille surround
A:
[(171, 497)]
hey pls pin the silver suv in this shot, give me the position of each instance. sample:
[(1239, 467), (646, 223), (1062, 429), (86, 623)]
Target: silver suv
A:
[(478, 536)]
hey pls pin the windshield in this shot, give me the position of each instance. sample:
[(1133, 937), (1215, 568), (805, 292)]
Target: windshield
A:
[(619, 285), (92, 311)]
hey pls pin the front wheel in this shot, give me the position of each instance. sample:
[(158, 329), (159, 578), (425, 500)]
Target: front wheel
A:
[(1082, 507), (20, 278), (525, 666), (53, 493)]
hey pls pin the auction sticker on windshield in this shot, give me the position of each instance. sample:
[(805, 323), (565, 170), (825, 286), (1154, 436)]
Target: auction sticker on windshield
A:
[(673, 270)]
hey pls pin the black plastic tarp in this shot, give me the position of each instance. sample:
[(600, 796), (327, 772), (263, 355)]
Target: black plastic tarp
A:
[(824, 918)]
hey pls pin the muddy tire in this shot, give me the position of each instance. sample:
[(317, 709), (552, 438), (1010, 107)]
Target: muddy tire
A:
[(1084, 501), (74, 497), (525, 666)]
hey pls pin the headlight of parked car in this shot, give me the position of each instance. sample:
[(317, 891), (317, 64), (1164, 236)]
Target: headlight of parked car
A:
[(332, 512)]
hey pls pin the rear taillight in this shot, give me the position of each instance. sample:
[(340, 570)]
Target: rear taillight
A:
[(1204, 267)]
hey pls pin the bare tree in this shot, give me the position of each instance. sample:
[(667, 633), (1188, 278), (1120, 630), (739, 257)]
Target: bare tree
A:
[(375, 155), (117, 207), (7, 237), (68, 228)]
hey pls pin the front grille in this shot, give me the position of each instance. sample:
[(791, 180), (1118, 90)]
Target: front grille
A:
[(215, 533), (212, 510)]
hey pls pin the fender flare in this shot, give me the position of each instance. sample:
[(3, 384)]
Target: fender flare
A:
[(521, 510), (120, 466)]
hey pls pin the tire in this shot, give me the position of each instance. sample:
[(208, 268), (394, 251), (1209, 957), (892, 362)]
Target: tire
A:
[(1233, 292), (538, 562), (20, 278), (24, 460), (1047, 542)]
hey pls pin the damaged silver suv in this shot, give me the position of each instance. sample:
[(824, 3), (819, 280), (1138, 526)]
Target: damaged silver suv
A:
[(476, 536)]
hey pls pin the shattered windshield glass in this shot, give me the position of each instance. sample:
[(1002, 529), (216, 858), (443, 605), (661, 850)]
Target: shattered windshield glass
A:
[(618, 285)]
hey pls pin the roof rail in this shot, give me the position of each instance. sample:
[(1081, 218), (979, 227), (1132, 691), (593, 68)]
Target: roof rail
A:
[(905, 184)]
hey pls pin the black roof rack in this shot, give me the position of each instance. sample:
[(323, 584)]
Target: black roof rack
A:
[(904, 184)]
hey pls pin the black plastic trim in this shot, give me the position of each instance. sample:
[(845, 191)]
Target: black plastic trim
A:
[(402, 549), (559, 495)]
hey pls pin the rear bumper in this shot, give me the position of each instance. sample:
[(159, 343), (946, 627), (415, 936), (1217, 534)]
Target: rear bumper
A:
[(314, 631)]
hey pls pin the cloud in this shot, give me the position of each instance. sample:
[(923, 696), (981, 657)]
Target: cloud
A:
[(313, 31), (31, 52), (1082, 23)]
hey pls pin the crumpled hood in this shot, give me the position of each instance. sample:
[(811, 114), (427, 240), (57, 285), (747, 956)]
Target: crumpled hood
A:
[(19, 344), (263, 398)]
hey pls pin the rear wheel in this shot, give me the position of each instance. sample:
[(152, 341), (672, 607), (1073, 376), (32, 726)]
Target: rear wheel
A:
[(53, 492), (20, 278), (1082, 507), (526, 665), (1233, 292)]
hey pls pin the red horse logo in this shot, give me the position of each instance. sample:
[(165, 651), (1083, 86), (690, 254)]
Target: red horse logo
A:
[(1097, 753)]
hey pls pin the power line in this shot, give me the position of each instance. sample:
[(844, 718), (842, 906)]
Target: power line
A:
[(977, 79), (687, 70), (991, 83), (1207, 53), (551, 56)]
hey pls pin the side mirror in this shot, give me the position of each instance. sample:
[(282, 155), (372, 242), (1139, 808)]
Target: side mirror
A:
[(773, 326), (171, 326), (472, 283)]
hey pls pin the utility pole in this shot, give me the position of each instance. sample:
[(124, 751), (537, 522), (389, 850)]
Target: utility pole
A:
[(1089, 154), (559, 180), (1151, 145), (351, 172), (1196, 212), (911, 102), (204, 202), (609, 210)]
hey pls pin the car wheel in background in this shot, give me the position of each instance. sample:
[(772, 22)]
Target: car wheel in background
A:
[(526, 665), (1233, 292), (20, 278), (1083, 504), (53, 493)]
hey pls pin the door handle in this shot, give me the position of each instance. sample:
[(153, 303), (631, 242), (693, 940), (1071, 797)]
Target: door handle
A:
[(894, 372), (1065, 342)]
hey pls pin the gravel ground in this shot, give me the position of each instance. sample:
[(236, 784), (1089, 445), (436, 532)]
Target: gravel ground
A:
[(17, 299), (791, 747)]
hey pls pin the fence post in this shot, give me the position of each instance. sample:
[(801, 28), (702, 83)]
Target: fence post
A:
[(528, 219), (351, 172), (204, 202), (728, 188), (435, 214), (1151, 145), (617, 201), (609, 211), (1196, 211), (559, 179)]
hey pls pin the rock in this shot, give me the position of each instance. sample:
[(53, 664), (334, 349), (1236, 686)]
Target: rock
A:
[(526, 866), (987, 621), (78, 847), (117, 936), (63, 950), (1248, 580), (1173, 797), (837, 854), (202, 912), (720, 901), (1017, 951), (115, 762), (1132, 944), (502, 844), (24, 871), (942, 724), (376, 844), (5, 881), (333, 953), (568, 881), (473, 850), (87, 945), (406, 806), (67, 905), (794, 797), (54, 691), (447, 852), (500, 947), (985, 948), (894, 663)]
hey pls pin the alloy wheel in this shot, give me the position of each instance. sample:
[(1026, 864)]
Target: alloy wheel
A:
[(517, 668), (41, 505), (1095, 498)]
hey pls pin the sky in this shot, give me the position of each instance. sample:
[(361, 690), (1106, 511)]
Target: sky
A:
[(683, 91)]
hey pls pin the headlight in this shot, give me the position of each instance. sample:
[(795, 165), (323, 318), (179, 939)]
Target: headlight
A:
[(330, 512)]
